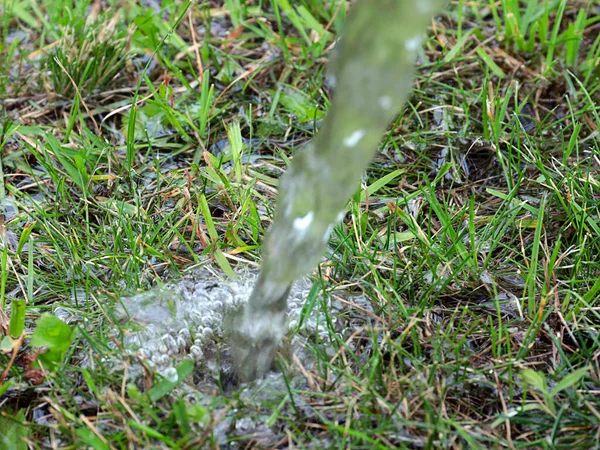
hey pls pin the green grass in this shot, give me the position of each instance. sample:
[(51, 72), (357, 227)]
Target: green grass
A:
[(474, 234)]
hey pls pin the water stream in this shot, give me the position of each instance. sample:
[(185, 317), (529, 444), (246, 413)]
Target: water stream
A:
[(372, 75)]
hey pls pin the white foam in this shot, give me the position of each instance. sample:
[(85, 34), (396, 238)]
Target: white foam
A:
[(413, 44), (354, 138), (385, 102), (182, 319), (301, 224)]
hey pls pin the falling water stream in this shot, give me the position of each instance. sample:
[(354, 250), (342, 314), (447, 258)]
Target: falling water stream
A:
[(372, 75)]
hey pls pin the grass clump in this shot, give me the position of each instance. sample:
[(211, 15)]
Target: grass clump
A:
[(89, 57)]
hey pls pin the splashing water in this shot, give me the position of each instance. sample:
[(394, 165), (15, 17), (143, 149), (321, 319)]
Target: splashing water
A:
[(183, 320), (372, 74)]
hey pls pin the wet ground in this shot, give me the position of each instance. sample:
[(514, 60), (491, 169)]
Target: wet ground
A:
[(184, 320)]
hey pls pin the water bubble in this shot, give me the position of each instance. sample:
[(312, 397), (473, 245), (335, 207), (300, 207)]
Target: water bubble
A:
[(385, 102), (301, 224), (171, 374), (413, 44), (354, 138)]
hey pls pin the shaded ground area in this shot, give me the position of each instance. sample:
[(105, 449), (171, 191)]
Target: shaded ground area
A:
[(471, 242)]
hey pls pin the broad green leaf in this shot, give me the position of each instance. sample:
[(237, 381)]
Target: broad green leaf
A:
[(181, 417), (20, 10), (535, 379), (6, 345), (455, 50), (378, 184), (298, 103), (490, 63), (5, 386), (570, 380), (514, 201), (55, 335), (25, 236), (165, 386), (13, 432), (122, 207), (76, 171), (310, 20), (90, 439), (515, 411), (208, 220), (403, 236), (186, 413), (17, 318), (151, 432), (591, 294), (234, 134), (223, 263)]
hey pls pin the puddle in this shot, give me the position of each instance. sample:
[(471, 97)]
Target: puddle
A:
[(184, 320)]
